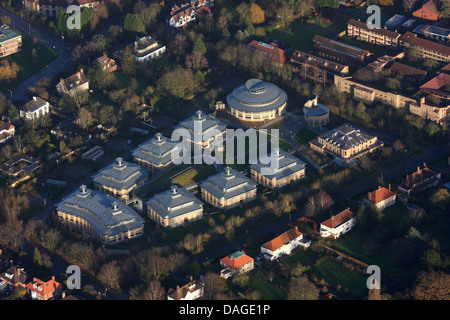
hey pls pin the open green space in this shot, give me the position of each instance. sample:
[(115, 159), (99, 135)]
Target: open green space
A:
[(268, 290), (299, 34), (28, 65), (304, 136)]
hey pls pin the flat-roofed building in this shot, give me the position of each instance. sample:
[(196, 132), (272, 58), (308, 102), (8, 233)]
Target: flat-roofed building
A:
[(339, 51), (346, 142), (146, 49), (319, 69), (227, 189), (120, 179), (34, 109), (381, 37), (99, 216), (257, 101), (425, 48), (10, 41), (202, 129), (315, 113), (338, 224), (155, 154), (433, 33), (174, 207), (288, 169)]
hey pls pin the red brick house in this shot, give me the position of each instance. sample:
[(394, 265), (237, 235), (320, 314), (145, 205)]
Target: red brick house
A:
[(428, 12)]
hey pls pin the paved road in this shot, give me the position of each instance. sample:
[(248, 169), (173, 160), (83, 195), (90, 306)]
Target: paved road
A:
[(61, 63)]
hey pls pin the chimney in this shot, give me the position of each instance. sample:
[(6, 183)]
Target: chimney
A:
[(34, 98), (228, 171), (1, 251), (199, 114), (119, 161), (34, 279), (422, 100), (63, 295), (83, 188), (174, 189), (53, 278), (18, 271), (389, 186), (191, 278), (115, 206), (158, 136), (178, 287)]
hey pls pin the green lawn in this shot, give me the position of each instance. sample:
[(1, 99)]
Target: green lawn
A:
[(268, 291), (26, 63), (304, 136), (299, 35), (335, 274)]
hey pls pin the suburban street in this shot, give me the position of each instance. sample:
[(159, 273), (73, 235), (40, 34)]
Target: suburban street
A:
[(62, 62)]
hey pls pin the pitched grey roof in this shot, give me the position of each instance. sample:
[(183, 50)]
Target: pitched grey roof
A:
[(156, 150), (34, 104), (287, 165), (175, 202), (346, 136), (228, 184), (257, 96), (120, 175), (201, 122), (105, 213)]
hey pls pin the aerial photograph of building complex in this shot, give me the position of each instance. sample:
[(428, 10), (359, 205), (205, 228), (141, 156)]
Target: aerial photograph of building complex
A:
[(253, 152)]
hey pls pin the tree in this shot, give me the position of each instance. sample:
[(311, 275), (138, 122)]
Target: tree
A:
[(128, 62), (284, 15), (305, 8), (8, 71), (133, 23), (199, 46), (213, 286), (52, 239), (408, 5), (302, 289), (440, 198), (85, 118), (256, 14), (37, 257), (432, 285), (196, 60), (155, 291), (177, 83), (109, 274)]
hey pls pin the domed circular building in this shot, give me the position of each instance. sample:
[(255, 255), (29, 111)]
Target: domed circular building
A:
[(256, 101), (315, 113)]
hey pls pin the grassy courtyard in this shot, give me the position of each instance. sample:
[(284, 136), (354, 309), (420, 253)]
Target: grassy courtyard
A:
[(299, 34)]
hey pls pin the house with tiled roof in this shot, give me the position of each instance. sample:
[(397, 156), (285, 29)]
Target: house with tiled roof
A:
[(40, 290), (339, 51), (73, 84), (429, 12), (410, 73), (14, 277), (284, 244), (107, 64), (338, 224), (182, 15), (192, 290), (271, 51), (236, 263), (378, 36), (426, 49), (439, 86), (7, 131), (381, 198), (421, 179), (34, 109)]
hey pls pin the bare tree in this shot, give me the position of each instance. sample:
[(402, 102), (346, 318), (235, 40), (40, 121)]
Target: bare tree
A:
[(408, 5), (109, 274), (155, 291), (284, 15)]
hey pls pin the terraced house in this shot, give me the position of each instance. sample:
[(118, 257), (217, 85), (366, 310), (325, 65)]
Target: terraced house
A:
[(174, 207), (99, 216), (288, 169), (227, 189), (381, 37), (120, 179)]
